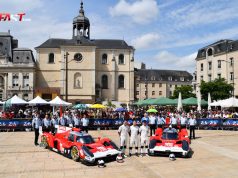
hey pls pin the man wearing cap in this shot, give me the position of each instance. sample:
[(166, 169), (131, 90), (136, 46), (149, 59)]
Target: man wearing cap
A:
[(123, 132), (144, 142), (134, 132), (36, 123)]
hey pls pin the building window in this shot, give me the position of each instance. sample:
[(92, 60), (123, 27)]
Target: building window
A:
[(231, 61), (153, 93), (219, 64), (121, 59), (231, 76), (152, 77), (121, 83), (201, 66), (104, 59), (25, 97), (170, 86), (145, 85), (160, 85), (137, 85), (51, 58), (25, 81), (170, 78), (104, 82), (1, 82), (210, 77), (209, 65), (15, 80), (170, 93), (78, 80), (145, 93), (219, 76), (153, 84), (137, 92), (160, 93), (175, 86), (201, 77), (209, 52), (182, 79)]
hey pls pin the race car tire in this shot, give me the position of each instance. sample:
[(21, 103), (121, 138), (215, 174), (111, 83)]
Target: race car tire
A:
[(152, 144), (44, 142), (185, 145), (74, 153)]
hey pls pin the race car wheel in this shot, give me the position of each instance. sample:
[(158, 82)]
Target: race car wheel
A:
[(74, 153), (44, 142)]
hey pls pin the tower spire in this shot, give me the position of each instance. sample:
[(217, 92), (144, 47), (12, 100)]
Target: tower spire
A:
[(81, 11)]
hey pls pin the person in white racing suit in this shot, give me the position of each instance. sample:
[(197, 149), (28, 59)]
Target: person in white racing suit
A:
[(144, 141), (134, 132), (123, 132)]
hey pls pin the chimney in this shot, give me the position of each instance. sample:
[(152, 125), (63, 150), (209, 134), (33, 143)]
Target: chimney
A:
[(143, 66)]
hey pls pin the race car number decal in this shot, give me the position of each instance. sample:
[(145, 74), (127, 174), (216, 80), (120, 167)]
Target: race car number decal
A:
[(168, 144)]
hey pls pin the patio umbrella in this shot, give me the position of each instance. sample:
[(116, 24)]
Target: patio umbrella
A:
[(139, 102), (193, 101), (231, 102), (120, 109), (180, 105), (80, 106), (152, 110), (37, 101), (59, 102), (15, 100), (209, 101), (98, 106)]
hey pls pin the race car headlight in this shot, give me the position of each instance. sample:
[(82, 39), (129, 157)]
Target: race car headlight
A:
[(87, 152)]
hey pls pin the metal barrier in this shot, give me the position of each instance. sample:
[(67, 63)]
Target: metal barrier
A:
[(203, 123)]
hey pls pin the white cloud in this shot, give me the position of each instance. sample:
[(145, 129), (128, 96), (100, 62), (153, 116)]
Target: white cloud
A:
[(140, 11), (167, 60), (146, 41)]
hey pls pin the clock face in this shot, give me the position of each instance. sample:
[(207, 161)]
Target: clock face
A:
[(78, 57)]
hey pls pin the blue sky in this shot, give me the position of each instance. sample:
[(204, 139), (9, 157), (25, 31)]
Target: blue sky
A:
[(165, 33)]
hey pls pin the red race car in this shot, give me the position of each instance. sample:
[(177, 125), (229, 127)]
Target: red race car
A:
[(169, 140), (80, 146)]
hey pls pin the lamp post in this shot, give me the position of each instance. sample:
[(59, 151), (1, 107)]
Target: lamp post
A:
[(233, 77), (66, 75)]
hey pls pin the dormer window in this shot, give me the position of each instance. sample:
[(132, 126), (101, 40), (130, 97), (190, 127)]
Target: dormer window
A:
[(104, 59), (121, 59), (170, 78), (51, 59), (209, 52)]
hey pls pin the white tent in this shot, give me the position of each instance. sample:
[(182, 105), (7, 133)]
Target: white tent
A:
[(231, 102), (216, 103), (16, 100), (37, 101), (59, 102), (180, 105)]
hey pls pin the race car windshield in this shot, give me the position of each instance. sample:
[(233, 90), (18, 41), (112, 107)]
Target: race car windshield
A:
[(170, 136), (85, 139)]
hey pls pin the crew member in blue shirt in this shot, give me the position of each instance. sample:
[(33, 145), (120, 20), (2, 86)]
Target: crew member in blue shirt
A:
[(36, 123)]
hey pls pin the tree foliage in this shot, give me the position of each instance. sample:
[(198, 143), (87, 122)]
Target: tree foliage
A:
[(186, 92), (218, 88)]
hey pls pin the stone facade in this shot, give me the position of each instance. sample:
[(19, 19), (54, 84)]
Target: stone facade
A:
[(218, 60), (85, 70), (17, 69)]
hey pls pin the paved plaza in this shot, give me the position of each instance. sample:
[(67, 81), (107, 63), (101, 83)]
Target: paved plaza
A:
[(215, 155)]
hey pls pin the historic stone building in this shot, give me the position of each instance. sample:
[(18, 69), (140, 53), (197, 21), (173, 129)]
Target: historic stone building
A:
[(85, 70), (17, 69), (154, 83), (218, 60)]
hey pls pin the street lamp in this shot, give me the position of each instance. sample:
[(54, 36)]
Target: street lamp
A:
[(233, 77), (66, 75)]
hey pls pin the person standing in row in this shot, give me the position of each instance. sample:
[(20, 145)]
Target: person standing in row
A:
[(54, 122), (36, 123), (134, 132), (174, 121), (85, 123), (192, 124), (123, 132), (46, 123), (152, 123), (183, 121), (76, 120), (144, 142), (160, 121)]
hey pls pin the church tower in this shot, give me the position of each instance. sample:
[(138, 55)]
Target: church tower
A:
[(81, 25)]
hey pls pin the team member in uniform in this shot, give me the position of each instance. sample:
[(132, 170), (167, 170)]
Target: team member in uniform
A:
[(161, 121), (152, 123), (123, 132), (46, 123), (134, 132), (85, 123), (36, 123), (192, 123), (183, 121), (54, 122), (174, 121), (144, 142)]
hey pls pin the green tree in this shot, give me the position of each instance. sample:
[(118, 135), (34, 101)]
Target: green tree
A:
[(186, 92), (218, 88)]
